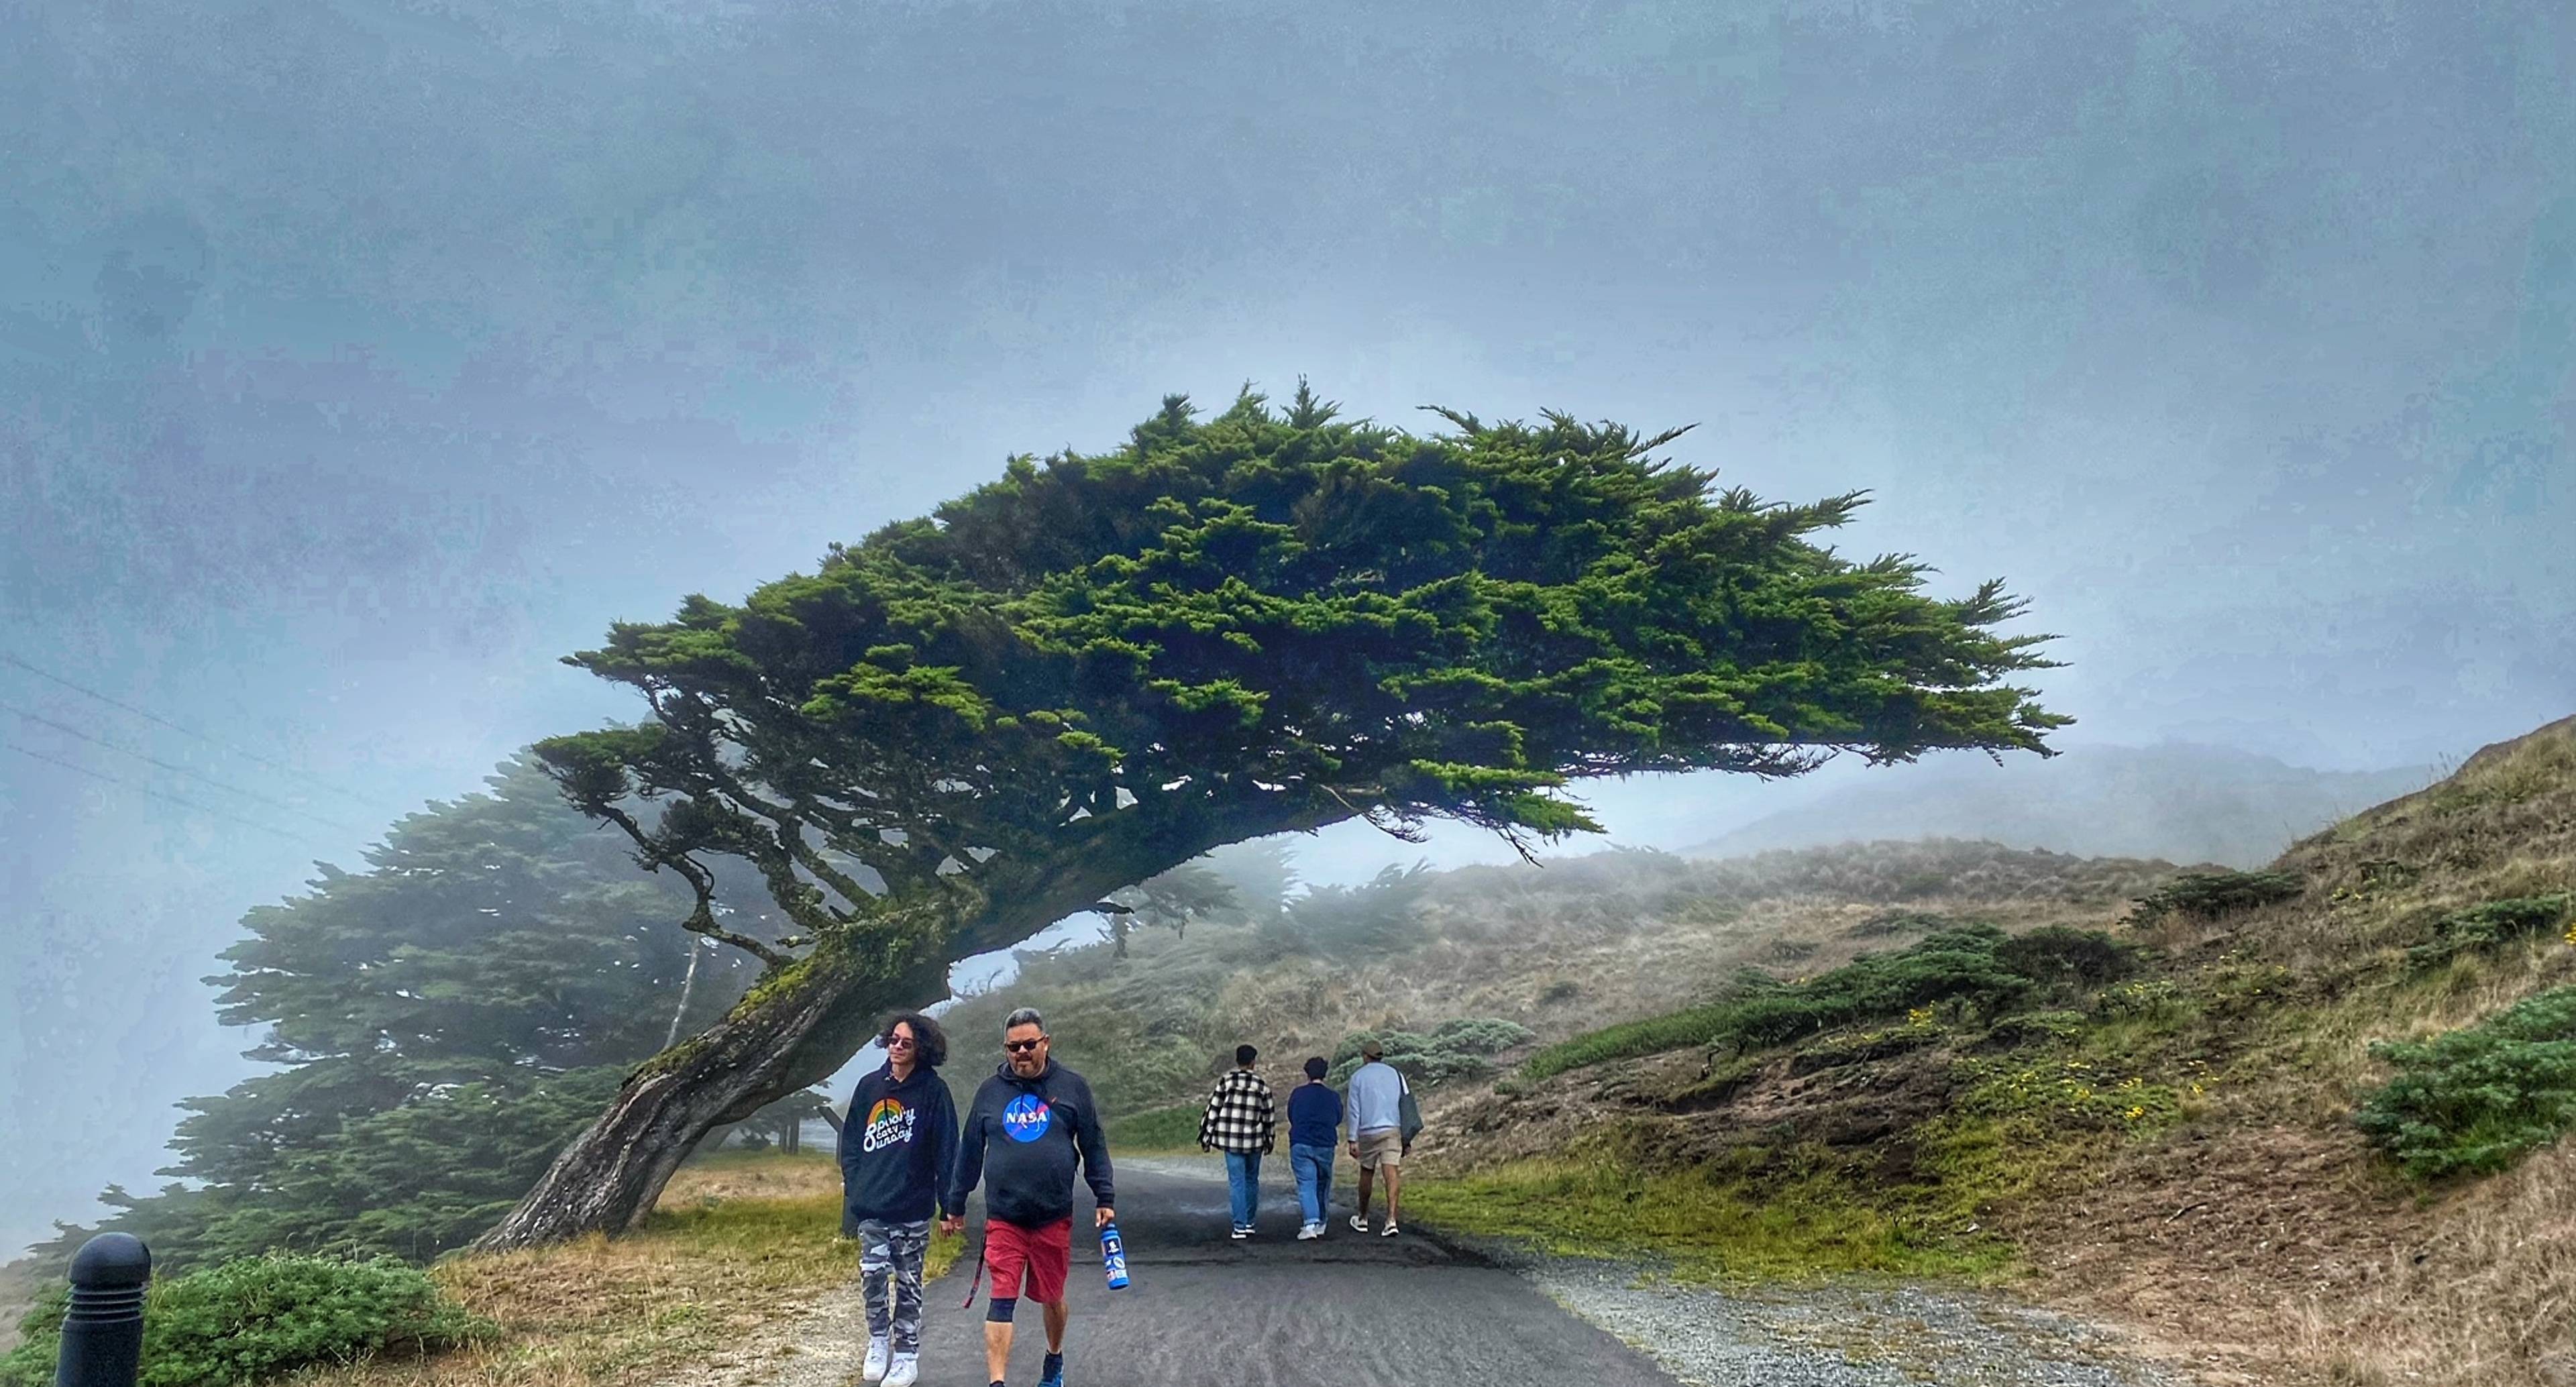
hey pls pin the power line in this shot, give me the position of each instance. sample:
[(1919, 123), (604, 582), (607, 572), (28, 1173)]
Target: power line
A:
[(71, 731), (7, 658), (159, 794)]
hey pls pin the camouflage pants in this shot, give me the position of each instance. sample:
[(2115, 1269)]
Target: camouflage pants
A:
[(890, 1258)]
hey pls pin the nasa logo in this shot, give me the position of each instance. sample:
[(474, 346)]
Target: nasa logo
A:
[(1027, 1117)]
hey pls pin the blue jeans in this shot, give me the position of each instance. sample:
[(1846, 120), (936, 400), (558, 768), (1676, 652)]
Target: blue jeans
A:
[(1243, 1182), (1313, 1166)]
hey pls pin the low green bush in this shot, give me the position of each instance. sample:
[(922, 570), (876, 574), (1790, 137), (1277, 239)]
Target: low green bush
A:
[(2071, 960), (2486, 926), (256, 1318), (1456, 1049), (1964, 970), (2144, 999), (2210, 895), (2474, 1100)]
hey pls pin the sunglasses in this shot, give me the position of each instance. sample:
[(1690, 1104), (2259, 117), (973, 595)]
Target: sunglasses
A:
[(898, 1042), (1022, 1047)]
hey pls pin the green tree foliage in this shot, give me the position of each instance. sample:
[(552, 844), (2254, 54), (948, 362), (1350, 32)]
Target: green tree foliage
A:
[(445, 1020), (1275, 619), (2475, 1100), (1378, 916), (1093, 670), (258, 1318), (1260, 877)]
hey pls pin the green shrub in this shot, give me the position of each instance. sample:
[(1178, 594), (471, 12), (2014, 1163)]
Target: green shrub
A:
[(2486, 926), (1964, 969), (1457, 1049), (249, 1320), (2144, 999), (2475, 1099), (2070, 960), (2210, 895), (2033, 1028)]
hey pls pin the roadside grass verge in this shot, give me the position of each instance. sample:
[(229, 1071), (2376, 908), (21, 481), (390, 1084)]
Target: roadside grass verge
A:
[(737, 1241), (1160, 1131), (1756, 1214)]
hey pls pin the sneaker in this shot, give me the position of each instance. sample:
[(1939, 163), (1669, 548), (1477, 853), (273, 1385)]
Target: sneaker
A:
[(880, 1353), (1053, 1375), (1359, 1223), (1387, 1232), (904, 1371), (1242, 1233), (1310, 1232)]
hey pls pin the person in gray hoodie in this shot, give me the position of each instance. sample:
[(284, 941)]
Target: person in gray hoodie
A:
[(1373, 1103)]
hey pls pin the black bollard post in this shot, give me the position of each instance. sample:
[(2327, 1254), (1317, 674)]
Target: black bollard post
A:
[(103, 1333)]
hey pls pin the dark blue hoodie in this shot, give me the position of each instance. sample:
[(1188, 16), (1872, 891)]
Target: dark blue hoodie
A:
[(898, 1145), (1027, 1135)]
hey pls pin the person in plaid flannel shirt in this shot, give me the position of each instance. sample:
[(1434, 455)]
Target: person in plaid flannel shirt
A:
[(1241, 1121)]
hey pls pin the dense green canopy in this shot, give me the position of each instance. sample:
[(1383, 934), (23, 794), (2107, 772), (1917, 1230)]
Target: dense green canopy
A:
[(1271, 620)]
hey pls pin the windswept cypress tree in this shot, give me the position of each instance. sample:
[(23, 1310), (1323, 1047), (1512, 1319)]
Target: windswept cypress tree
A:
[(446, 1020), (1099, 667)]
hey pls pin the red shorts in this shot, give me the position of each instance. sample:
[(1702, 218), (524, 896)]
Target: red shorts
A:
[(1046, 1254)]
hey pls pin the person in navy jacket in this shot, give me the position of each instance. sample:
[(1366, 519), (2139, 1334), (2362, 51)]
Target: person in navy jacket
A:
[(898, 1149)]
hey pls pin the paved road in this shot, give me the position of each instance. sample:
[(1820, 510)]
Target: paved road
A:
[(1347, 1310)]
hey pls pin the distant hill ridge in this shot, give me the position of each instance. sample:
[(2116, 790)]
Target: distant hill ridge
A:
[(2178, 802)]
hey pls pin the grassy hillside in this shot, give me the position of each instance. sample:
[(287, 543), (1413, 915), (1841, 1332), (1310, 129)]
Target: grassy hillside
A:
[(1559, 950), (2184, 1115)]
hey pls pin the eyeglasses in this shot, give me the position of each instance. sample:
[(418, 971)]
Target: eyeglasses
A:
[(1022, 1047)]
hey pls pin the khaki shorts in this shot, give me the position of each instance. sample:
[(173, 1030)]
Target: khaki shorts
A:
[(1382, 1148)]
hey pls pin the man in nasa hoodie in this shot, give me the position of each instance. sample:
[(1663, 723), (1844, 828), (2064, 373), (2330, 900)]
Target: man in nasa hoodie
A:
[(898, 1147), (1028, 1127)]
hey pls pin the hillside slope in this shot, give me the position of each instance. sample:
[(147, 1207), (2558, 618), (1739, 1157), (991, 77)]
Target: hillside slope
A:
[(2147, 1112), (2177, 801), (1557, 950)]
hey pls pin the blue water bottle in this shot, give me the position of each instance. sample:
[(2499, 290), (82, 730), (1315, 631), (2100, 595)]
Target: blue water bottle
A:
[(1113, 1257)]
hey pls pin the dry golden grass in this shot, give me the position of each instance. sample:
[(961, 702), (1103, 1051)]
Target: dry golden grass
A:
[(738, 1244), (2487, 1300), (2268, 1236)]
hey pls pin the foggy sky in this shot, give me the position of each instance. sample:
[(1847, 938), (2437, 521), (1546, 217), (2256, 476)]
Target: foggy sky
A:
[(358, 360)]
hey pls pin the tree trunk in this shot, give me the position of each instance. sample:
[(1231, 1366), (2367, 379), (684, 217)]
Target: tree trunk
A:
[(803, 1022), (793, 1031)]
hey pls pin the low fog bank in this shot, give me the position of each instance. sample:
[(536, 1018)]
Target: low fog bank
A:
[(2179, 802)]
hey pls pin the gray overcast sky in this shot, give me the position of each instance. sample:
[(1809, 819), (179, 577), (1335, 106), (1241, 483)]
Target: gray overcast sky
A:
[(358, 359)]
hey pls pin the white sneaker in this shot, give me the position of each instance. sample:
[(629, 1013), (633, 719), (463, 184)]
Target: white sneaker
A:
[(1387, 1232), (1310, 1232), (1242, 1233), (1359, 1223), (879, 1352), (905, 1372)]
